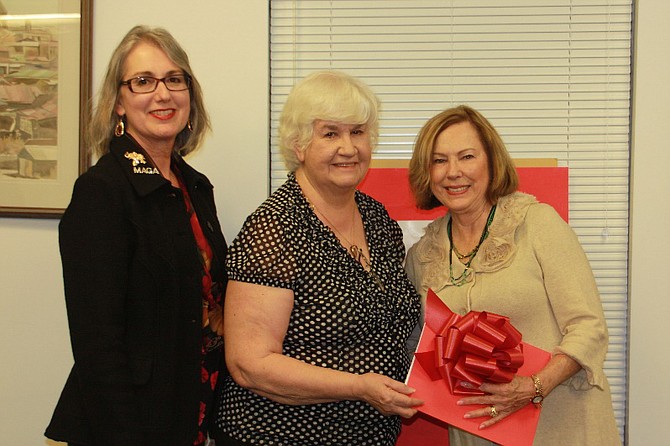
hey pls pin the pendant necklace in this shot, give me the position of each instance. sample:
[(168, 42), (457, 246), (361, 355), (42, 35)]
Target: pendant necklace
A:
[(463, 278), (354, 250)]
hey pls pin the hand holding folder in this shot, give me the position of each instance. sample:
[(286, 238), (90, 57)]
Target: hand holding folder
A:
[(440, 384)]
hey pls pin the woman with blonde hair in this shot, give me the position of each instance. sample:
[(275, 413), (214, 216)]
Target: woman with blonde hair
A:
[(499, 250), (142, 253)]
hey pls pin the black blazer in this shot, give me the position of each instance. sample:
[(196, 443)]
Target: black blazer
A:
[(132, 275)]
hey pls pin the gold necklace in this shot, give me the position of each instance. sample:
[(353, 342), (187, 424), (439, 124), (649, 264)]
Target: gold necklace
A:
[(471, 253), (460, 280), (352, 247), (465, 256), (354, 250)]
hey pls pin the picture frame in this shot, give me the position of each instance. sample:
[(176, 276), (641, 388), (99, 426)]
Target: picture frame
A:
[(45, 90)]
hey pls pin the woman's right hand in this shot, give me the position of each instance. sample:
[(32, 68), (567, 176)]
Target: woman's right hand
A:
[(388, 396)]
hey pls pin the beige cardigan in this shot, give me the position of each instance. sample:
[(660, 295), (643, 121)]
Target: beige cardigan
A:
[(532, 269)]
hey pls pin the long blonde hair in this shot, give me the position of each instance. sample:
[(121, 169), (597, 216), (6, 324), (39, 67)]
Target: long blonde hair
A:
[(104, 118)]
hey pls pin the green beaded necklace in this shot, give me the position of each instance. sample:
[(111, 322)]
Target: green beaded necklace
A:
[(460, 280)]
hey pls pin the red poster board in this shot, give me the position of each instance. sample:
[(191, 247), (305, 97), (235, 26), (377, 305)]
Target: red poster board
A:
[(390, 185)]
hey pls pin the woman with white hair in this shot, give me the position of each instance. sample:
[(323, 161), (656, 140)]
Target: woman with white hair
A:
[(318, 307)]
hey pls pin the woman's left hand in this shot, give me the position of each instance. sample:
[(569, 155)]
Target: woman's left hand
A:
[(510, 397), (505, 398)]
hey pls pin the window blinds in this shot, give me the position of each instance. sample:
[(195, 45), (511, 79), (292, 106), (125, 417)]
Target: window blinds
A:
[(553, 76)]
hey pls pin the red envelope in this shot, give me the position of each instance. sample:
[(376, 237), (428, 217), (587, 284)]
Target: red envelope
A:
[(517, 429)]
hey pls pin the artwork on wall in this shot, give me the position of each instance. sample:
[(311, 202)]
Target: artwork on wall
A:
[(45, 69)]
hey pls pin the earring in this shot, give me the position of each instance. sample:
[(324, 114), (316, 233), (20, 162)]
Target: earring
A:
[(188, 126), (120, 128)]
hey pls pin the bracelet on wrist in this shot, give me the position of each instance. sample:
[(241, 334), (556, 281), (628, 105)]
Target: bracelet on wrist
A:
[(539, 395)]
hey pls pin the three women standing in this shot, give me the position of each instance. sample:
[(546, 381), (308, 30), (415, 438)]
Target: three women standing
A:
[(318, 307)]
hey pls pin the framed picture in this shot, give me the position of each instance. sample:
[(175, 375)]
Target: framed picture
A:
[(45, 85)]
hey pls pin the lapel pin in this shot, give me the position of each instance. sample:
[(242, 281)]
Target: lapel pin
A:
[(136, 158)]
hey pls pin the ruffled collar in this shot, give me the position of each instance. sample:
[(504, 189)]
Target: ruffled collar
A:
[(432, 252), (372, 212)]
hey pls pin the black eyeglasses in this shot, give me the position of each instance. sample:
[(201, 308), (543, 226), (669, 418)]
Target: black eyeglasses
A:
[(148, 84)]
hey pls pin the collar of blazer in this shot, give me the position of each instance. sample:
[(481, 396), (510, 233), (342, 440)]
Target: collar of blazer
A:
[(141, 171)]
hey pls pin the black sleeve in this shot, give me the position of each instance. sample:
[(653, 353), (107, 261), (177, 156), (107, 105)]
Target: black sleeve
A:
[(96, 242)]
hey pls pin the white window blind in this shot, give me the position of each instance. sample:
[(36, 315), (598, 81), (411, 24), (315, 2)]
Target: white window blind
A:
[(553, 76)]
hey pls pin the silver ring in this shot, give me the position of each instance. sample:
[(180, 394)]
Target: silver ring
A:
[(493, 413)]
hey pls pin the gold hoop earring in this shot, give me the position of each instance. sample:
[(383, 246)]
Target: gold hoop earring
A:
[(120, 128), (188, 126)]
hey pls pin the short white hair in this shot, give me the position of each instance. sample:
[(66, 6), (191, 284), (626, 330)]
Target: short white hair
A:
[(328, 96)]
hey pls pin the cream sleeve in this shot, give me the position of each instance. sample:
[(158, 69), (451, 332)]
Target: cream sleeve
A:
[(573, 294)]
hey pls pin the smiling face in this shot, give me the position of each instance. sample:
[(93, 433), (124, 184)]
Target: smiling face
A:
[(153, 119), (459, 172), (338, 156)]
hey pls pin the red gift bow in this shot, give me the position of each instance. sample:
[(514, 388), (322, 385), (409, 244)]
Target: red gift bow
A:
[(474, 348)]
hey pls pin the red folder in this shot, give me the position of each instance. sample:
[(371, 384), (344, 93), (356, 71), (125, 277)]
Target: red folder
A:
[(422, 430), (517, 429)]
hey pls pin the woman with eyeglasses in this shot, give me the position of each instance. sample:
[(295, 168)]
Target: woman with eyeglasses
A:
[(318, 307), (142, 253)]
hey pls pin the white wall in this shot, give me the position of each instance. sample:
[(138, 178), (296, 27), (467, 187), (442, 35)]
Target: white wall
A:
[(649, 385), (227, 42)]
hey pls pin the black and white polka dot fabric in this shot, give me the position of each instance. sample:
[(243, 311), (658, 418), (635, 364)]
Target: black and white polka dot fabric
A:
[(341, 319)]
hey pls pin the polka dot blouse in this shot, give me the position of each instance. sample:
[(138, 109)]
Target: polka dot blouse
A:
[(341, 319)]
